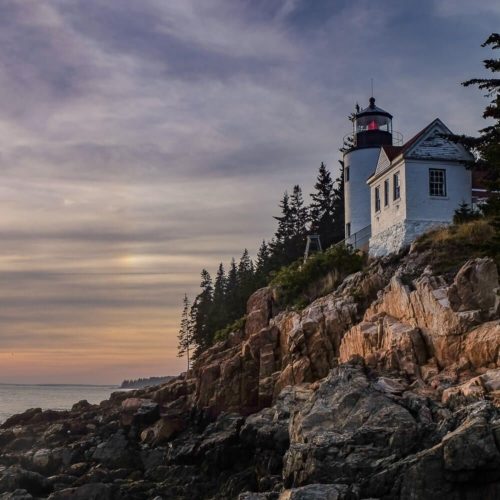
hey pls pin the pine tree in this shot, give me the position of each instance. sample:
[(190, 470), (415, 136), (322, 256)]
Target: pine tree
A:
[(322, 207), (219, 314), (232, 292), (201, 314), (263, 265), (185, 336), (299, 220), (281, 244), (339, 207), (245, 281), (327, 207), (486, 147)]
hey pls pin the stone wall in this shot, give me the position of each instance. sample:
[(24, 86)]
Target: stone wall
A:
[(396, 237)]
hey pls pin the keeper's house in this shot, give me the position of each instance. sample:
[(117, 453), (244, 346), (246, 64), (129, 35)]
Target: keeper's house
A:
[(394, 192)]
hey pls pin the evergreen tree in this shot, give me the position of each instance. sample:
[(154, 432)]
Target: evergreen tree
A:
[(245, 281), (201, 314), (486, 147), (338, 206), (322, 207), (232, 293), (282, 242), (300, 218), (219, 313), (185, 336), (263, 265)]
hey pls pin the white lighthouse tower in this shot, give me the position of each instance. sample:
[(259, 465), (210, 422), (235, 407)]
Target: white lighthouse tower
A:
[(372, 129)]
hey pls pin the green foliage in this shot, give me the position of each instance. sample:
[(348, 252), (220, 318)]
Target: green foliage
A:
[(221, 303), (186, 333), (294, 281), (236, 326), (486, 147), (465, 213), (327, 207)]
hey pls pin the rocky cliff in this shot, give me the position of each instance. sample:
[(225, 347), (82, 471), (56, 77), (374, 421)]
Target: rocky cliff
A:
[(386, 388)]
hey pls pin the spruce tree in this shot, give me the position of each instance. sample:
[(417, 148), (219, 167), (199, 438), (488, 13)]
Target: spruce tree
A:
[(263, 265), (299, 219), (232, 292), (246, 284), (202, 314), (282, 241), (322, 207), (486, 147), (219, 313), (339, 207), (185, 336)]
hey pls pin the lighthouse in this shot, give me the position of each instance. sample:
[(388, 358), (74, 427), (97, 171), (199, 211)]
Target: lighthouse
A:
[(372, 129)]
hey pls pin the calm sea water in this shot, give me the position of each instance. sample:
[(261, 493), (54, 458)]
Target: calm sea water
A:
[(18, 398)]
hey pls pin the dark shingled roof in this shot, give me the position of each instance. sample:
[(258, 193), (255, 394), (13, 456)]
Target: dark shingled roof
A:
[(392, 151)]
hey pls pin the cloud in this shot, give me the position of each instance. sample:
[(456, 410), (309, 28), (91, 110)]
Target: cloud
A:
[(456, 8), (143, 141)]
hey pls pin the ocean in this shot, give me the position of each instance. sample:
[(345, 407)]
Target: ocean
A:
[(18, 398)]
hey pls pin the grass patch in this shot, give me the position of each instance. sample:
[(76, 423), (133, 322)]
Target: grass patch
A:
[(451, 246), (294, 284)]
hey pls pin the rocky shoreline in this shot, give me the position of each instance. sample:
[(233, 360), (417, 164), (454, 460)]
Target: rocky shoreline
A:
[(386, 388)]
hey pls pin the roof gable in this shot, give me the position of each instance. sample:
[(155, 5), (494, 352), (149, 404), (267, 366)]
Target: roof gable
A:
[(429, 144), (383, 163)]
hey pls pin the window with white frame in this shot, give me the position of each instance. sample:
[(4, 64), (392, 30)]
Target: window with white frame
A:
[(396, 186), (346, 174), (437, 182), (386, 192), (377, 199), (348, 230)]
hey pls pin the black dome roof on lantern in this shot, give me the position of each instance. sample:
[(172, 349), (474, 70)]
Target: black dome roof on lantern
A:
[(373, 110)]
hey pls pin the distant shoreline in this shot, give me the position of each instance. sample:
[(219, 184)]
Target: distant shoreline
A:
[(141, 383), (57, 385)]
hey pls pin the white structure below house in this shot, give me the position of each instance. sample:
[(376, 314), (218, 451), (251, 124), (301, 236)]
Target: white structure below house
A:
[(410, 189)]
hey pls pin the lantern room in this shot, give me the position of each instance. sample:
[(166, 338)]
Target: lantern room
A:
[(372, 127)]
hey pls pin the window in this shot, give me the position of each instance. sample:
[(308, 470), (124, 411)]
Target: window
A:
[(377, 199), (396, 187), (437, 182), (386, 192), (346, 174), (348, 230)]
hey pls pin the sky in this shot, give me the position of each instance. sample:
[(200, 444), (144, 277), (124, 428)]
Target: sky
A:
[(141, 141)]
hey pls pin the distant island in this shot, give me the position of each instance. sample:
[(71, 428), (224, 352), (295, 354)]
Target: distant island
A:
[(145, 382)]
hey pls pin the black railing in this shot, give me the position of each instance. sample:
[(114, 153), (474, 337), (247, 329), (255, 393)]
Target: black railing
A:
[(359, 240)]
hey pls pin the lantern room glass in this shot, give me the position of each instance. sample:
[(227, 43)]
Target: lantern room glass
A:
[(370, 122)]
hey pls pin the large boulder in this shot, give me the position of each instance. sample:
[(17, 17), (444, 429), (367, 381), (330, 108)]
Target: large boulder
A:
[(345, 431), (259, 311), (481, 346), (386, 343), (475, 286), (116, 452)]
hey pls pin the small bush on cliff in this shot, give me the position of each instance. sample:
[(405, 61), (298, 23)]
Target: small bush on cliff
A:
[(295, 283)]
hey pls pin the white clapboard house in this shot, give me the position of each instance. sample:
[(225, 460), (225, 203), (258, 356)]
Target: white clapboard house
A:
[(393, 191)]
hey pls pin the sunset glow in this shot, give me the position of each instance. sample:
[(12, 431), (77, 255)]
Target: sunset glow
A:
[(143, 141)]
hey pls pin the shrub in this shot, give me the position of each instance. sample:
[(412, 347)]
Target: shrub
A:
[(465, 213), (293, 282)]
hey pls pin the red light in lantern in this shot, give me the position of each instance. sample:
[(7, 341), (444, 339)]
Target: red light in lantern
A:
[(373, 125)]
